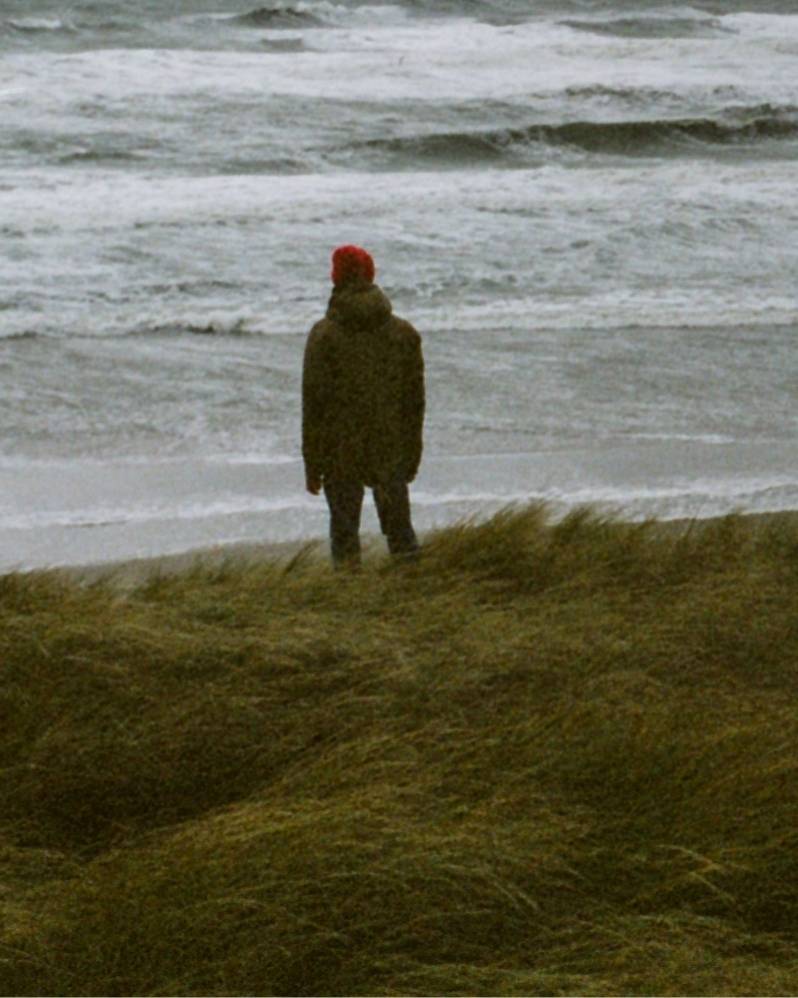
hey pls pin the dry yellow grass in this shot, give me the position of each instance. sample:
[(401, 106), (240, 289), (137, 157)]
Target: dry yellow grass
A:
[(542, 760)]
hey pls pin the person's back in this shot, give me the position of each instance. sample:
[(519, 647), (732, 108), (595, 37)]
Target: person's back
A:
[(363, 407)]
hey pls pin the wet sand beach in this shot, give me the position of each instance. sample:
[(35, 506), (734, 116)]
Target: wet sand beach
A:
[(133, 572)]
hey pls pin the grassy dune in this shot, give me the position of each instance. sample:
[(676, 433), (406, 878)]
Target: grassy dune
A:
[(543, 760)]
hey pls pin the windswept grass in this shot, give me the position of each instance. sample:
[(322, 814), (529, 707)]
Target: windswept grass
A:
[(545, 759)]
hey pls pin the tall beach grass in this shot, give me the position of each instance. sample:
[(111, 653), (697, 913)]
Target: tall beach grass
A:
[(544, 759)]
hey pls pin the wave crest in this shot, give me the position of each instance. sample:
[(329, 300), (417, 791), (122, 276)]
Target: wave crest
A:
[(235, 327), (650, 27), (278, 16), (628, 138), (36, 25)]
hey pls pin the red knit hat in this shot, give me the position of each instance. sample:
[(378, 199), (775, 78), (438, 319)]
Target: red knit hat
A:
[(351, 261)]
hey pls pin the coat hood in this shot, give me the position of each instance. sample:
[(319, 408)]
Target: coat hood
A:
[(358, 304)]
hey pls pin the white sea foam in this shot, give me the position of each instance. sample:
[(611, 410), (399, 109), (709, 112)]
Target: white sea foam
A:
[(455, 59), (591, 254), (39, 23), (63, 199), (782, 29), (102, 465), (107, 516)]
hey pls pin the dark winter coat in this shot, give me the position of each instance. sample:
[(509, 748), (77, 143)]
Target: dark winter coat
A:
[(362, 391)]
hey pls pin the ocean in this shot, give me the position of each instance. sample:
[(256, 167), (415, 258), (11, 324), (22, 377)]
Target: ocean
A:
[(587, 208)]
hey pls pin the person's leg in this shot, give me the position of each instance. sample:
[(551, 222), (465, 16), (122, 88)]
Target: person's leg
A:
[(392, 500), (345, 500)]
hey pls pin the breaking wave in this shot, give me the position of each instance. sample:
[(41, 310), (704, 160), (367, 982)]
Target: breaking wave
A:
[(239, 328), (279, 17), (650, 27), (233, 327), (37, 25), (628, 138), (100, 155)]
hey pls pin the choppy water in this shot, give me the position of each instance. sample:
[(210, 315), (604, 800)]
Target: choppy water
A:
[(587, 208)]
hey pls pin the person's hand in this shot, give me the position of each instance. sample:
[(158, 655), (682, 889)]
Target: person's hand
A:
[(313, 484)]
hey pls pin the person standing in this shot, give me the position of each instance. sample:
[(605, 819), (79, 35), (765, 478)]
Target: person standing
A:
[(362, 409)]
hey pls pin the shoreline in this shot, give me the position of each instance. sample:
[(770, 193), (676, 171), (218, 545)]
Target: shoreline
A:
[(132, 572), (76, 515)]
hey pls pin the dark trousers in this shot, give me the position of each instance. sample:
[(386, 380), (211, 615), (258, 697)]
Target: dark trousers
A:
[(345, 500)]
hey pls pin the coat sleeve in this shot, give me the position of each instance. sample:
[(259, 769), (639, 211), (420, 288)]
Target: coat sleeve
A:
[(315, 388), (413, 404)]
